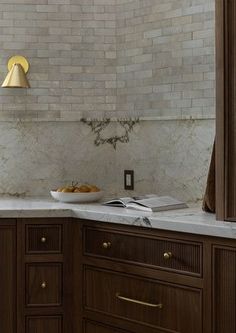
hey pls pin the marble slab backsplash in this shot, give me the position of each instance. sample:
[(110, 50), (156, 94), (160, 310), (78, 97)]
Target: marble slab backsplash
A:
[(168, 157)]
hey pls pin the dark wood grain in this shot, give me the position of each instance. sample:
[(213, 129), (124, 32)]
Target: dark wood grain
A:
[(186, 257), (51, 235), (221, 106), (224, 292), (44, 324), (91, 277), (225, 107), (8, 278), (92, 327), (51, 275), (181, 310), (51, 308)]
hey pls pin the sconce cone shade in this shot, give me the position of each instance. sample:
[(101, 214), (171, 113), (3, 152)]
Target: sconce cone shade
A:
[(16, 78)]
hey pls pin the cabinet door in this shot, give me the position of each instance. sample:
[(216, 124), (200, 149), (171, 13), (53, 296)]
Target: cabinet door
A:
[(7, 279), (43, 284), (224, 282)]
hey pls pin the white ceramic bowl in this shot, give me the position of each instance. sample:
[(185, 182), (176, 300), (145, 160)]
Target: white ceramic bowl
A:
[(77, 197)]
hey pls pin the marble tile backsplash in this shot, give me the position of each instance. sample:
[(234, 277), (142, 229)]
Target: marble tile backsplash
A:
[(168, 157)]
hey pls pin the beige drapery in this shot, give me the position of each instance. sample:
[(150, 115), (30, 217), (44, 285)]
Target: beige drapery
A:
[(209, 197)]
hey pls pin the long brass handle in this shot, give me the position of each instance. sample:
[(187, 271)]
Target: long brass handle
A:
[(135, 301)]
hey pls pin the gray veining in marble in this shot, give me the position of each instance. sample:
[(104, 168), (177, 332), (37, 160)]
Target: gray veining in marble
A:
[(190, 220), (98, 127), (168, 157)]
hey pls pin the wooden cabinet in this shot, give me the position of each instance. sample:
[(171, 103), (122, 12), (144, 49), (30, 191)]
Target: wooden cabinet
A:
[(139, 280), (224, 292), (150, 302), (8, 276), (130, 284), (92, 277), (45, 276)]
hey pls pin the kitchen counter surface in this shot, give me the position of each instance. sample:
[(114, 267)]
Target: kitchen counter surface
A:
[(190, 220)]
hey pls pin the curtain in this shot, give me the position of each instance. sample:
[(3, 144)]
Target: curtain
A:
[(209, 196)]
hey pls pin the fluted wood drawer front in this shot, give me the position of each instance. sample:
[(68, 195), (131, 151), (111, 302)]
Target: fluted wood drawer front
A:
[(174, 308), (44, 324), (43, 239), (91, 327), (44, 284), (224, 293), (175, 255)]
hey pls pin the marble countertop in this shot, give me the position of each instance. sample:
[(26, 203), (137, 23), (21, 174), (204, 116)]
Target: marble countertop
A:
[(190, 220)]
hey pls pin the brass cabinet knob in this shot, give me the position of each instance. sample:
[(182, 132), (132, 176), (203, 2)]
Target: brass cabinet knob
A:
[(43, 285), (106, 245), (43, 240), (167, 255)]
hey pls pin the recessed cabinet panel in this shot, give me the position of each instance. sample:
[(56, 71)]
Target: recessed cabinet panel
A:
[(224, 282), (166, 254), (152, 303), (43, 284), (46, 324), (43, 239)]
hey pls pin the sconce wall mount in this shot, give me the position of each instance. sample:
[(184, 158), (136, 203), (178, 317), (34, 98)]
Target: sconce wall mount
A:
[(18, 66)]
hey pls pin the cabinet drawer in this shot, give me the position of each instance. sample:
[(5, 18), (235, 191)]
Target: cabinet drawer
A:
[(43, 239), (92, 327), (43, 284), (153, 303), (163, 253), (52, 324)]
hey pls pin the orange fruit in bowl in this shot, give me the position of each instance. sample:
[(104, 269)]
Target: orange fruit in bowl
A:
[(83, 189), (94, 188)]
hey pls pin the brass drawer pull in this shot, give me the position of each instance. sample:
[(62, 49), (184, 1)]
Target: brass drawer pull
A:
[(43, 240), (135, 301), (106, 245), (167, 255), (44, 285)]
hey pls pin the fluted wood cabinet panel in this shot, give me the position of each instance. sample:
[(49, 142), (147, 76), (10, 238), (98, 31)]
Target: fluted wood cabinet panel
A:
[(43, 239), (156, 304), (7, 279), (185, 258), (224, 296), (44, 284)]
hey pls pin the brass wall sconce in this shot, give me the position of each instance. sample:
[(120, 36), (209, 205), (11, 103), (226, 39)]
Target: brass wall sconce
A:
[(18, 66)]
